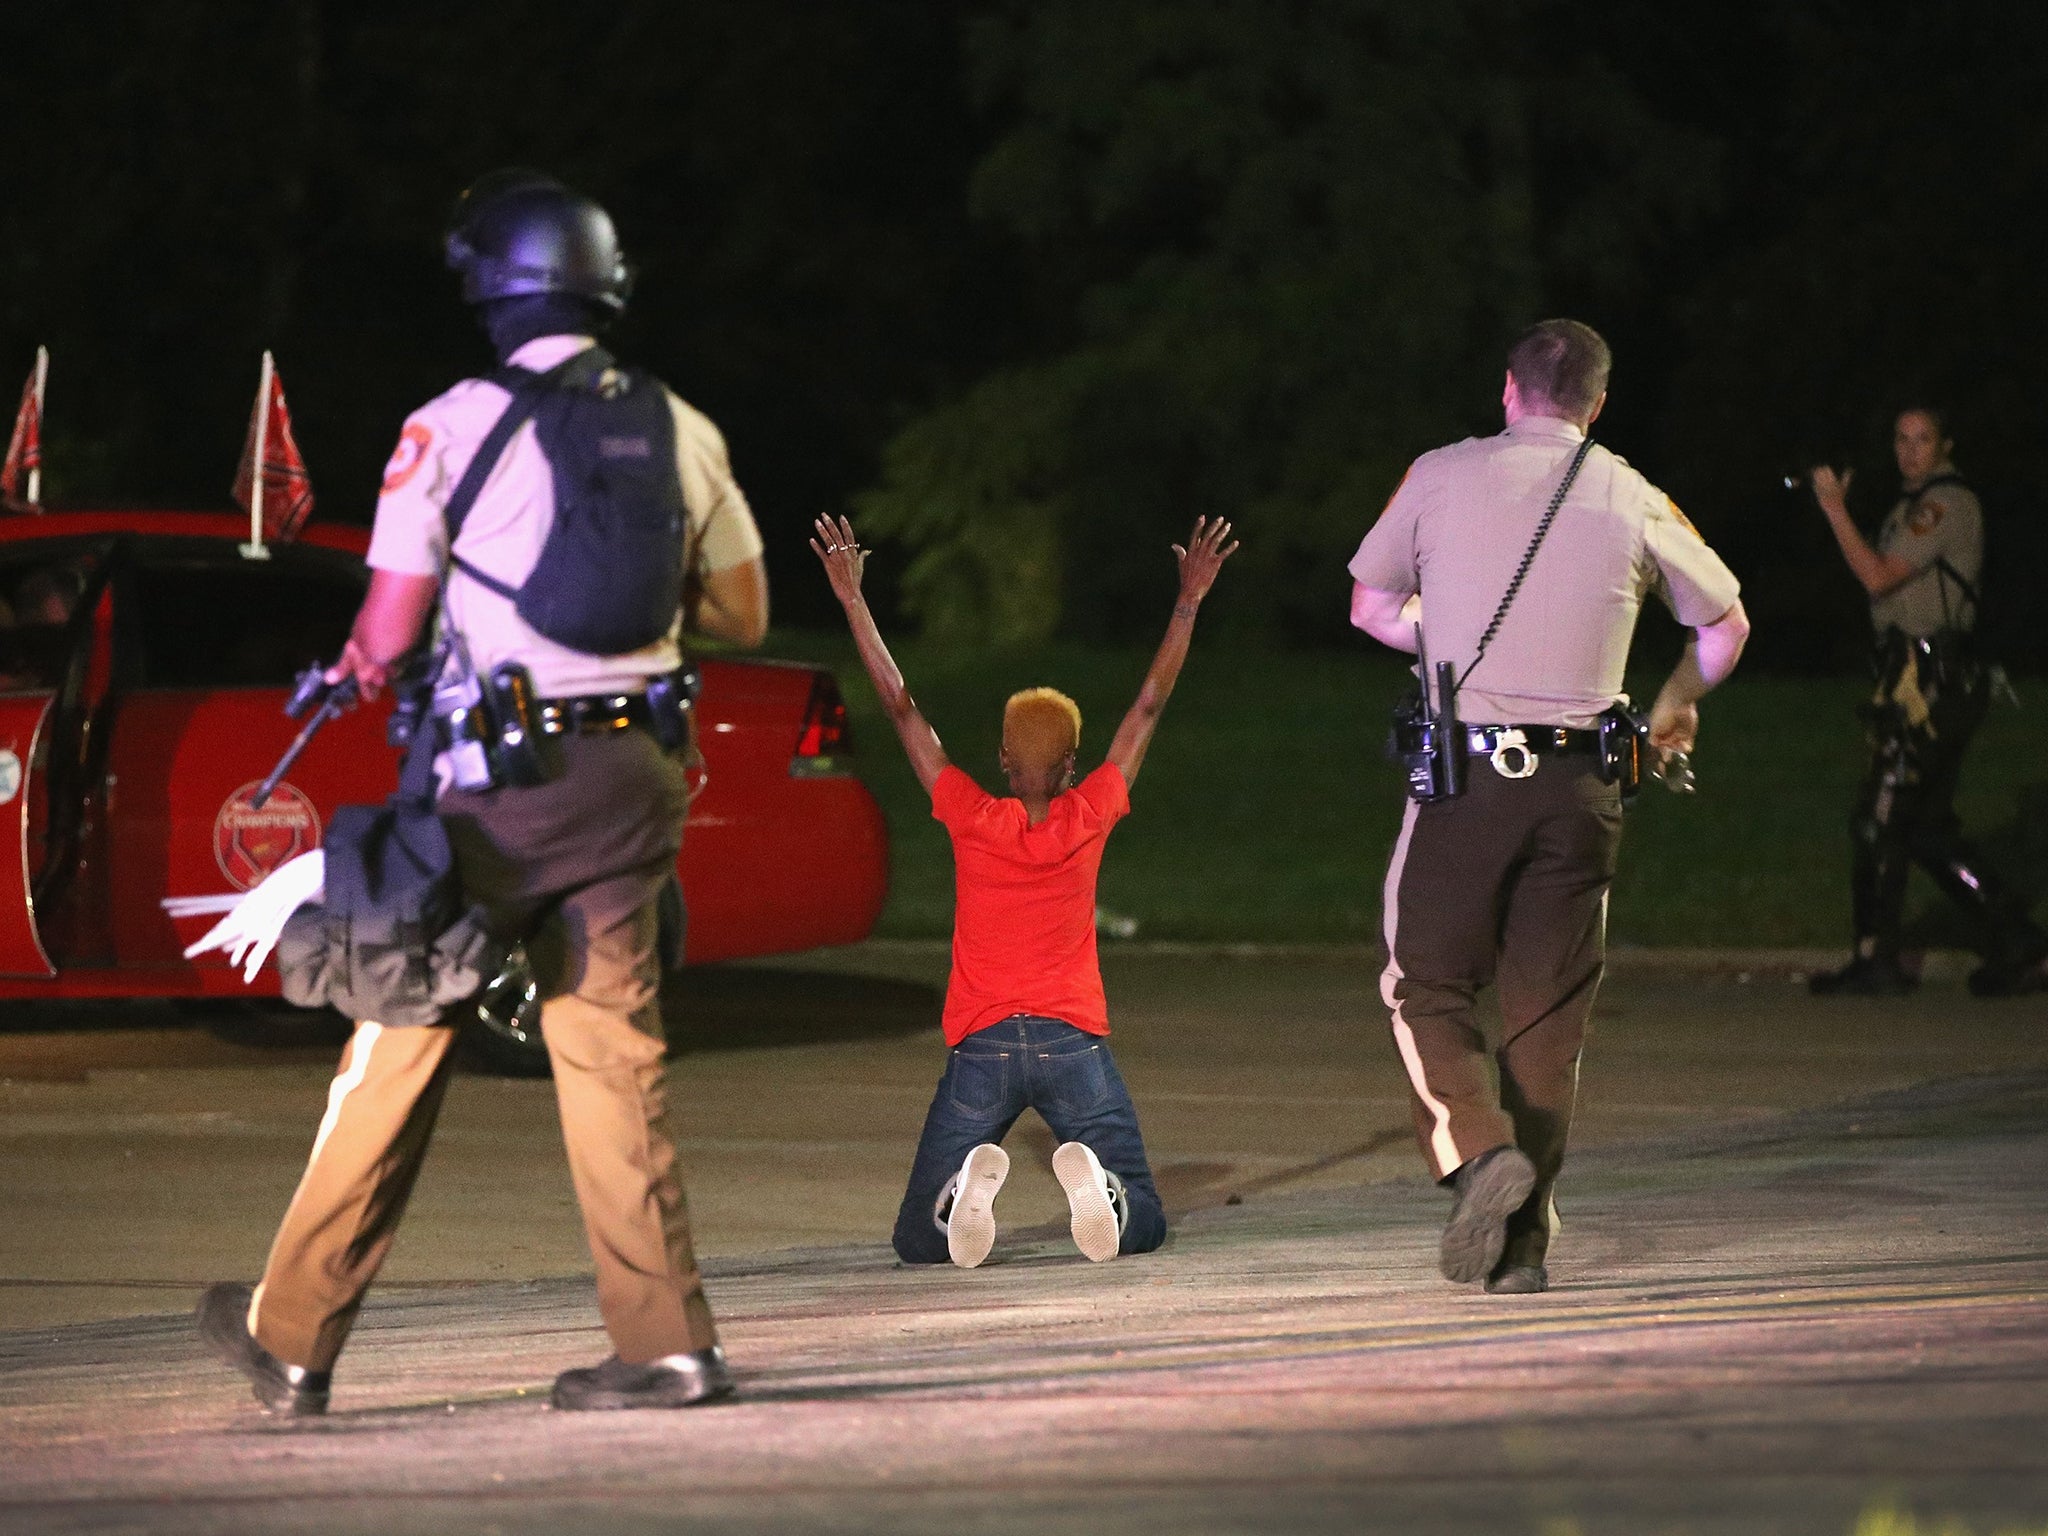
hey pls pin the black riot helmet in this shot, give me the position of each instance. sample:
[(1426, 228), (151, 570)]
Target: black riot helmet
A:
[(516, 232)]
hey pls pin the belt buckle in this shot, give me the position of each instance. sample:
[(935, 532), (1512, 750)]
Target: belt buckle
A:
[(1512, 740)]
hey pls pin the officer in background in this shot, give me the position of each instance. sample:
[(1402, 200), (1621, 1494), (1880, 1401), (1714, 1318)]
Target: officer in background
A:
[(1506, 883), (575, 866), (1933, 686)]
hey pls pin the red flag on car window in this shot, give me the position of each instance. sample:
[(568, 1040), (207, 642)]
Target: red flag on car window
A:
[(285, 492), (21, 476)]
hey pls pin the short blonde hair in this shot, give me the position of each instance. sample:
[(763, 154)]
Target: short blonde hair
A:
[(1040, 726)]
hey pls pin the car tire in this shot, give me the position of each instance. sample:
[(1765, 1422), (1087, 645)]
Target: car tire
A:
[(503, 1032)]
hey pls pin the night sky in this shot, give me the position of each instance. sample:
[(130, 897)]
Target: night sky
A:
[(1054, 277)]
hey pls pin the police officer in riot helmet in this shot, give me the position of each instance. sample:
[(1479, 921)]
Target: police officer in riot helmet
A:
[(565, 817), (1933, 687)]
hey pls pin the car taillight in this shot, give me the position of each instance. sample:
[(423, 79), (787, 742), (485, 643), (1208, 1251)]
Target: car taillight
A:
[(824, 740)]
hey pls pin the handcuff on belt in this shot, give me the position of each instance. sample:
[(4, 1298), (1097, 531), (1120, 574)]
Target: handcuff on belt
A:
[(1512, 749)]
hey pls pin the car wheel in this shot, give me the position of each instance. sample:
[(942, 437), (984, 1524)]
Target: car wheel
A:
[(505, 1032)]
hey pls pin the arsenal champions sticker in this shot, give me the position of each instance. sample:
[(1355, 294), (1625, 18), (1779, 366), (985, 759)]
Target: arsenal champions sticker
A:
[(249, 843)]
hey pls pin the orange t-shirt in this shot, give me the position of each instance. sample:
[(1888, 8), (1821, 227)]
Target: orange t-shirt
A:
[(1024, 902)]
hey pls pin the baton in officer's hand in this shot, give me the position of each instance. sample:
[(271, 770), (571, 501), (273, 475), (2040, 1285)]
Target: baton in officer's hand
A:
[(312, 688)]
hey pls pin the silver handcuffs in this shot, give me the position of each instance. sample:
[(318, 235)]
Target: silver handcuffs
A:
[(1512, 740)]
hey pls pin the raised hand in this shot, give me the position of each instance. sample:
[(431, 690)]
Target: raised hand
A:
[(842, 556), (1203, 557), (1831, 488)]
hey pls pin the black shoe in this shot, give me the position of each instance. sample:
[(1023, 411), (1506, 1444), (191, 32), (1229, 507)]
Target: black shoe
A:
[(2013, 973), (1518, 1280), (1865, 976), (1993, 979), (1491, 1188), (674, 1381), (223, 1319)]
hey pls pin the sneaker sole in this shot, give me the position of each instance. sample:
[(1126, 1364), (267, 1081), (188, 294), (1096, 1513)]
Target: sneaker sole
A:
[(971, 1229), (1094, 1218), (1477, 1233)]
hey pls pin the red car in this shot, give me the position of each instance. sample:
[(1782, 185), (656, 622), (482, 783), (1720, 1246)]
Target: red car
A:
[(144, 664)]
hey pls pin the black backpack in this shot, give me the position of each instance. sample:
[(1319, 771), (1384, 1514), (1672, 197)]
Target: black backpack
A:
[(609, 578)]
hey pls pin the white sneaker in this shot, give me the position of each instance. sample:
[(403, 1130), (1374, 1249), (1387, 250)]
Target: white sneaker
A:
[(971, 1224), (1092, 1197)]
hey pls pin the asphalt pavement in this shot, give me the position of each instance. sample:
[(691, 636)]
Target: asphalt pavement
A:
[(1802, 1283)]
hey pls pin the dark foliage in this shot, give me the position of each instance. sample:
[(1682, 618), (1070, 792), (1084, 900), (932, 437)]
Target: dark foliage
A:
[(1044, 279)]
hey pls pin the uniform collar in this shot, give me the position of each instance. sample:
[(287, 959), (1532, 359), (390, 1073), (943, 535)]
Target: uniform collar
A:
[(1548, 426), (544, 352)]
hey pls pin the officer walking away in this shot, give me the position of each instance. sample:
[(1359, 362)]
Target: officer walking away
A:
[(1933, 686), (556, 475), (1523, 559)]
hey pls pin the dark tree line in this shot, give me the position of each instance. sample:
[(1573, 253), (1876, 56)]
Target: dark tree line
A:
[(1031, 282)]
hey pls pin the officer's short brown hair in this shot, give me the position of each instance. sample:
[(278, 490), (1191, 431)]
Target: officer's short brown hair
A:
[(1040, 726), (1936, 417), (1562, 364)]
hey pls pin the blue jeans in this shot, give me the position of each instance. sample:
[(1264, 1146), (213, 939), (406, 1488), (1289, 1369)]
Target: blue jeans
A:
[(991, 1078)]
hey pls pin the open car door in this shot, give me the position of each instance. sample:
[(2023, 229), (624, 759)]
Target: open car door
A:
[(55, 669), (22, 717)]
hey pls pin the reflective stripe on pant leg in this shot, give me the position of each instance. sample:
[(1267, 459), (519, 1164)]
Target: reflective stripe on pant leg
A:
[(345, 1212), (345, 1082), (1443, 1149)]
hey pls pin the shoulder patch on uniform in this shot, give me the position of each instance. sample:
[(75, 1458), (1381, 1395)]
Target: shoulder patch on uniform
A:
[(1683, 521), (1926, 516), (407, 457)]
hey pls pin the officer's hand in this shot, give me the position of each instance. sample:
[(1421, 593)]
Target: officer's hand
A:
[(355, 662), (843, 558), (1831, 489), (1203, 557), (1673, 727)]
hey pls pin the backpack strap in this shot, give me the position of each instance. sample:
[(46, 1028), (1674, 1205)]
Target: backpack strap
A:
[(527, 389)]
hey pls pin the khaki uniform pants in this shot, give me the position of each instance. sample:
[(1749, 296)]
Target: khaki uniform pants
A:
[(1504, 886), (576, 868)]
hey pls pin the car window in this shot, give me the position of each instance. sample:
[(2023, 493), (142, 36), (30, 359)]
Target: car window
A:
[(201, 621), (38, 594)]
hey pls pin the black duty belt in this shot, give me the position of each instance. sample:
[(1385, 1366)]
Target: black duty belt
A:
[(1534, 738), (593, 714), (1515, 749)]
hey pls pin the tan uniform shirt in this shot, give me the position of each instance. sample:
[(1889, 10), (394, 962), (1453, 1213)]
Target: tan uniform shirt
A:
[(1945, 524), (505, 530), (1457, 528)]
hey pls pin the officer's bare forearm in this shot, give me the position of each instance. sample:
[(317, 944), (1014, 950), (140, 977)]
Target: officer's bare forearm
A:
[(732, 605), (1389, 617), (1710, 656), (394, 614), (390, 623), (920, 742), (1878, 573)]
